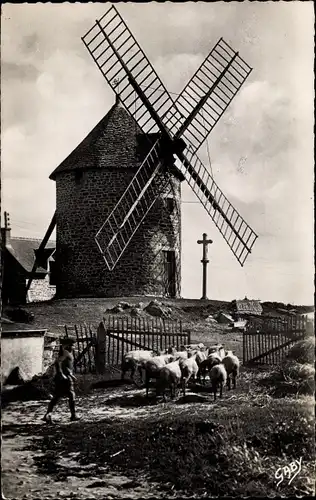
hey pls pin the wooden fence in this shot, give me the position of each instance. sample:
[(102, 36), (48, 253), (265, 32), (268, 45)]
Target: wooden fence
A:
[(266, 341), (85, 351), (105, 345), (116, 336)]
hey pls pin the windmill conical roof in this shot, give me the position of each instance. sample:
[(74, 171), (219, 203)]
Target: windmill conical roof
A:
[(111, 144)]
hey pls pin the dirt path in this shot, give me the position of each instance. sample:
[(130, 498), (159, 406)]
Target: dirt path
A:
[(21, 477), (119, 421)]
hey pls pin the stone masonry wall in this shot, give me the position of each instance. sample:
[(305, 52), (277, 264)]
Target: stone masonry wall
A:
[(41, 290), (83, 204)]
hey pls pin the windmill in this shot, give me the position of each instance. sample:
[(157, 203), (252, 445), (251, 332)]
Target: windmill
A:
[(180, 126)]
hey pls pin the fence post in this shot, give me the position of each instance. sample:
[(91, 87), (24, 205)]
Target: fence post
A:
[(244, 348), (189, 336), (100, 349)]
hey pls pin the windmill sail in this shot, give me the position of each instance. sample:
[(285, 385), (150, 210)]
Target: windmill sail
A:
[(146, 186), (119, 57), (235, 230), (208, 94), (191, 117)]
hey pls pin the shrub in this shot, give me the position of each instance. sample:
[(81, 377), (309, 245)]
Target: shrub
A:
[(303, 351)]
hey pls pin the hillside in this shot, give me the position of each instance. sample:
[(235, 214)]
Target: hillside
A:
[(53, 315)]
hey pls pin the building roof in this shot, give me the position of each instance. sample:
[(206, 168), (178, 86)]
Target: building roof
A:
[(110, 144), (246, 306), (23, 250), (224, 316)]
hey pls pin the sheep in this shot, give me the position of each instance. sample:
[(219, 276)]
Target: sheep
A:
[(134, 359), (153, 366), (169, 375), (177, 354), (188, 368), (231, 363), (219, 349), (218, 376), (200, 357), (191, 347), (206, 365)]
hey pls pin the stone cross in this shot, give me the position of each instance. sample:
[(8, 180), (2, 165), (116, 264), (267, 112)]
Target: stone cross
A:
[(205, 242)]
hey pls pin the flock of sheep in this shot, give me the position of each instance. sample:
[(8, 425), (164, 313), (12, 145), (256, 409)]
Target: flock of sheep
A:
[(172, 368)]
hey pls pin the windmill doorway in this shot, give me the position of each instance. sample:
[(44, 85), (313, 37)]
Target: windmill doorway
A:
[(169, 273)]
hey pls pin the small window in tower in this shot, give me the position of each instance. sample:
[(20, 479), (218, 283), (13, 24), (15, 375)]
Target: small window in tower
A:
[(78, 176), (170, 202)]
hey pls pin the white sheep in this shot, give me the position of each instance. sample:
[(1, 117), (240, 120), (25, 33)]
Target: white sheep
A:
[(200, 357), (134, 359), (189, 368), (177, 354), (231, 363), (193, 347), (218, 376), (219, 349), (169, 376), (153, 366)]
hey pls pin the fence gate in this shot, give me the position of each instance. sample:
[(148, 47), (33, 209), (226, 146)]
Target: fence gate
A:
[(85, 347), (266, 341), (118, 335)]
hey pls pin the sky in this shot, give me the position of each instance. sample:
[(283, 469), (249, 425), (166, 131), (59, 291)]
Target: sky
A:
[(260, 153)]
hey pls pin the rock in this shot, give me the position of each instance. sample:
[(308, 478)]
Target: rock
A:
[(156, 308), (136, 311), (140, 305), (210, 319), (124, 305), (116, 309), (15, 377)]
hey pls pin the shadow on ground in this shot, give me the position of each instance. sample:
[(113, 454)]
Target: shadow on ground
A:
[(107, 384)]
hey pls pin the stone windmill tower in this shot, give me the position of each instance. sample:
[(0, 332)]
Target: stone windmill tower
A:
[(118, 193), (89, 182)]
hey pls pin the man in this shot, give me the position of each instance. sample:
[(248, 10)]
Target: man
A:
[(63, 379)]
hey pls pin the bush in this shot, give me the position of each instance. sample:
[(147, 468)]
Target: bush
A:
[(298, 371), (303, 351)]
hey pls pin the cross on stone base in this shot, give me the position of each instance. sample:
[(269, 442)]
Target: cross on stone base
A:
[(205, 242)]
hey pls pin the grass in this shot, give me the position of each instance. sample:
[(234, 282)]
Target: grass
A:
[(232, 453), (232, 448), (55, 314)]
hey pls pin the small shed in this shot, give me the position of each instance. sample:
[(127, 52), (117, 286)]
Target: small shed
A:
[(245, 307), (225, 318), (240, 326)]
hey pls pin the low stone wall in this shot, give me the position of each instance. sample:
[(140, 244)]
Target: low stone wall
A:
[(24, 349)]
